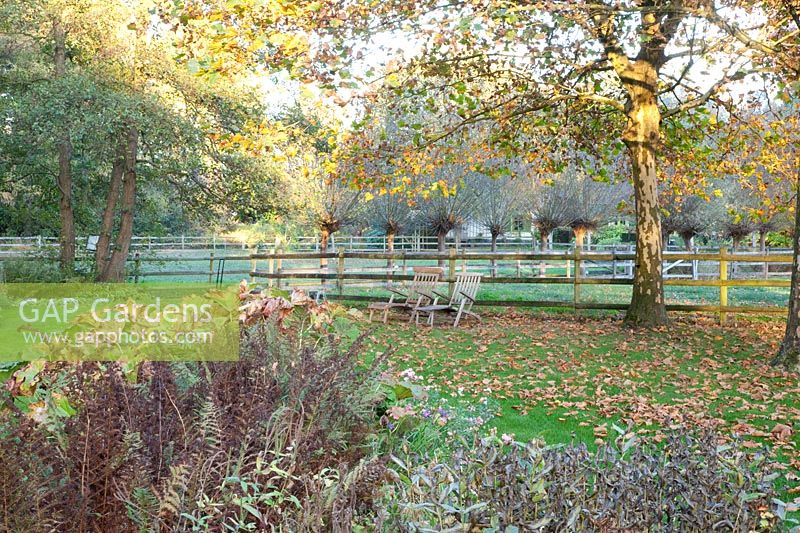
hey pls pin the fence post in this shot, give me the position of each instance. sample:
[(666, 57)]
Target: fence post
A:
[(279, 266), (723, 288), (271, 267), (211, 268), (253, 266), (405, 266), (569, 263), (614, 263), (576, 287), (137, 265), (340, 273), (451, 273)]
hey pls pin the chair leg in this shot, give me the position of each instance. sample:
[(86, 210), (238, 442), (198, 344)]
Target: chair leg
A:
[(458, 315), (430, 319), (386, 315), (371, 312)]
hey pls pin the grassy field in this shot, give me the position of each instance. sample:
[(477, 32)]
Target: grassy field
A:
[(568, 378), (756, 296)]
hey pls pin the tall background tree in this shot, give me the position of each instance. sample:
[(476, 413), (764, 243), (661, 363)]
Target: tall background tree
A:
[(117, 127)]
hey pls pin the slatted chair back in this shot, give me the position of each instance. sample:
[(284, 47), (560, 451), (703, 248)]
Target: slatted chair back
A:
[(465, 288), (425, 280)]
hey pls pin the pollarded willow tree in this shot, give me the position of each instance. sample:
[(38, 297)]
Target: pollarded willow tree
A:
[(391, 214), (549, 204), (447, 203), (499, 201), (523, 67), (592, 203), (688, 216), (731, 216)]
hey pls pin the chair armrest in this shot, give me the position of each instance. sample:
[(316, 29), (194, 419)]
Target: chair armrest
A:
[(465, 295), (432, 297), (404, 295), (440, 295)]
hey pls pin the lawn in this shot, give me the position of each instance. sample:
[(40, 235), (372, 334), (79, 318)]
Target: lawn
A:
[(562, 377)]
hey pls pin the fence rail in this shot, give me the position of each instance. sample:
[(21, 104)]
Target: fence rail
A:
[(310, 243)]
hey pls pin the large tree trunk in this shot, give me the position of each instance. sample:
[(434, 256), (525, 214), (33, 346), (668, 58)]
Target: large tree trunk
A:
[(790, 346), (440, 245), (641, 135), (66, 213), (115, 269), (103, 250)]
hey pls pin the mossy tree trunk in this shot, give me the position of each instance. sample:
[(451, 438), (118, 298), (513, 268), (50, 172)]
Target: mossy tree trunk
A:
[(115, 269), (101, 255), (64, 179)]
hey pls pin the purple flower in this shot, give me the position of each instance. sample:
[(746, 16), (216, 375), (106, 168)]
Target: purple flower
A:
[(426, 413)]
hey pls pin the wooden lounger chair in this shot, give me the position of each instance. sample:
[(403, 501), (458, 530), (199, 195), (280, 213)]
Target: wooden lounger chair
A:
[(417, 293), (465, 291)]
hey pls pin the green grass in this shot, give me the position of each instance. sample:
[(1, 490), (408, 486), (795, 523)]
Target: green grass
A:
[(618, 294), (558, 377)]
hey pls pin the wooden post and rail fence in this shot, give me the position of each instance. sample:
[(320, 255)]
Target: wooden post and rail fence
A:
[(575, 265), (572, 268)]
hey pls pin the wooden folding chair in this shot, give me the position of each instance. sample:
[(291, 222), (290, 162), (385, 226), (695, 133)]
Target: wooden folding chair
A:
[(417, 293), (465, 291)]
